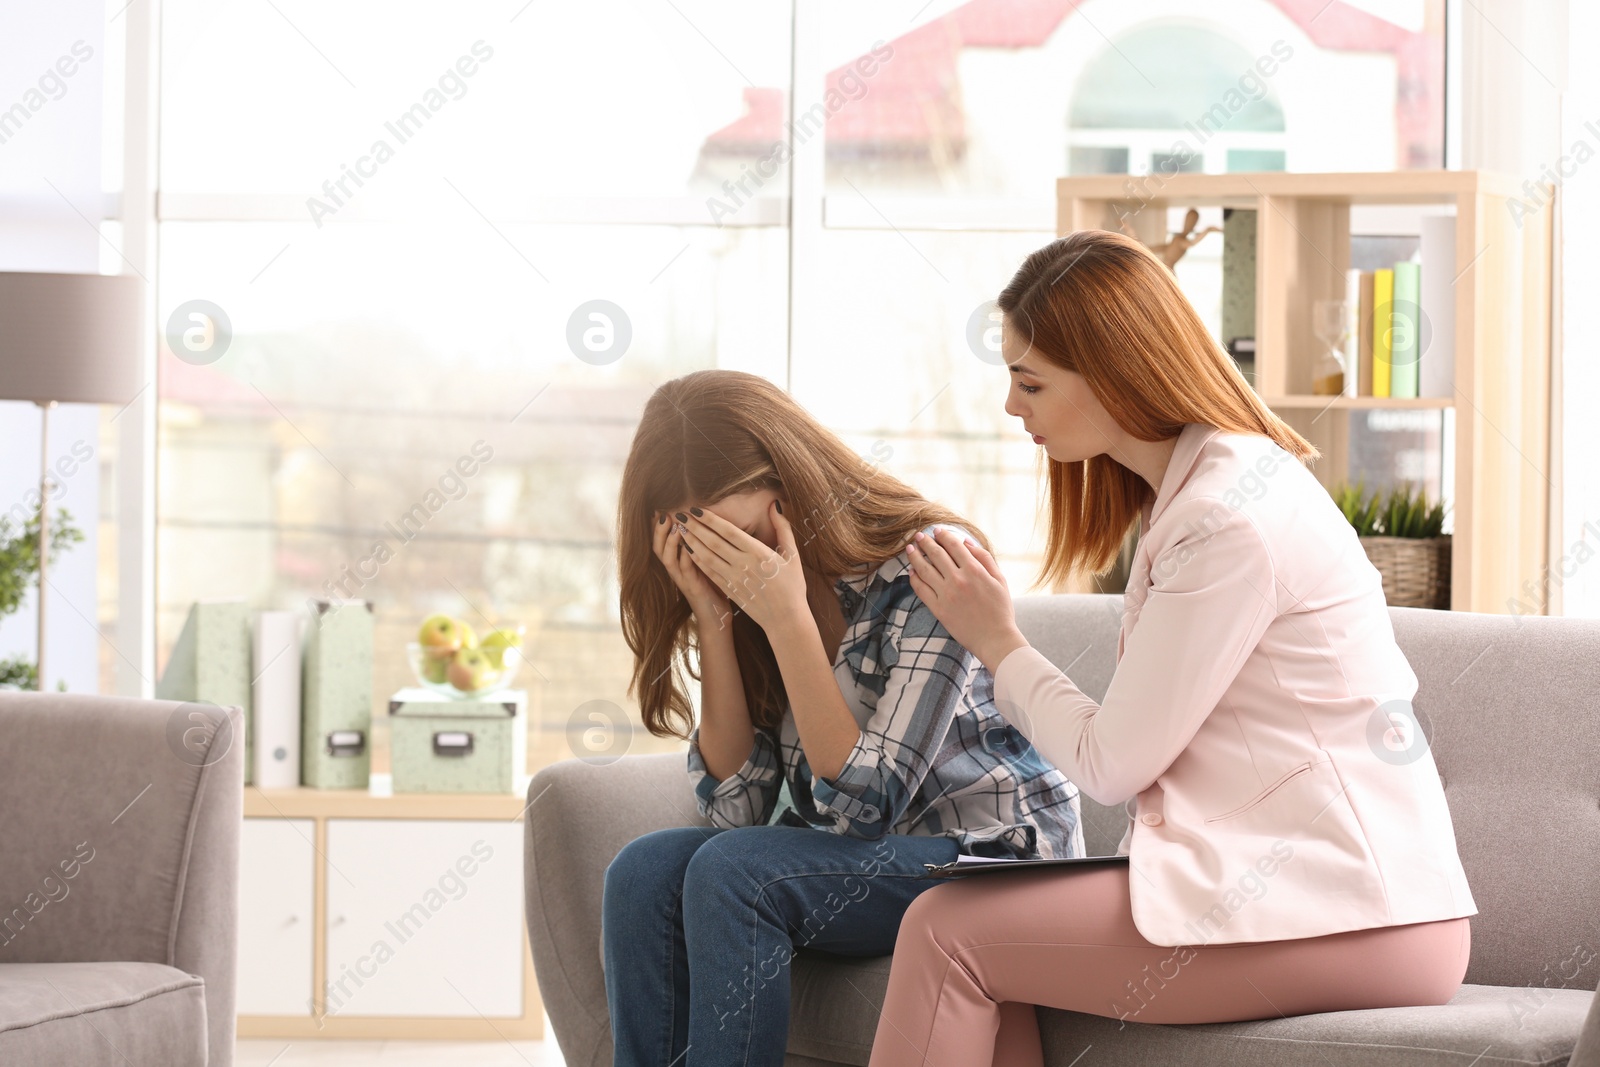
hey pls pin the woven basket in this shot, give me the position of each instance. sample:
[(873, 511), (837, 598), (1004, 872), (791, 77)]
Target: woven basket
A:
[(1415, 570)]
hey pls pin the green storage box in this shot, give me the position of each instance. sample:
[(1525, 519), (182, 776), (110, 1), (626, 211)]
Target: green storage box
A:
[(210, 663), (336, 724), (440, 745)]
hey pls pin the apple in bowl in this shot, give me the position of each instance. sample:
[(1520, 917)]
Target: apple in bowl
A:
[(449, 658)]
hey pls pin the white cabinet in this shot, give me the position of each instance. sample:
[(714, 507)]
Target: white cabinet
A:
[(424, 918), (277, 880), (399, 916)]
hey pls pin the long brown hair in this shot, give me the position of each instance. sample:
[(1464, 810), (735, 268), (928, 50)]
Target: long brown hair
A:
[(1101, 304), (709, 435)]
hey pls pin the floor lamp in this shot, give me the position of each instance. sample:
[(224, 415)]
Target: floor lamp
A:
[(71, 339)]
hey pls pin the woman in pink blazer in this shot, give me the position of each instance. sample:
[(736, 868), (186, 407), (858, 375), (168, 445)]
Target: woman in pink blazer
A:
[(1290, 849)]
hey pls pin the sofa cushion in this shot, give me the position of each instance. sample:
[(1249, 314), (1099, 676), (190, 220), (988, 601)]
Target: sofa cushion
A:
[(93, 1014), (1489, 1026), (836, 1002)]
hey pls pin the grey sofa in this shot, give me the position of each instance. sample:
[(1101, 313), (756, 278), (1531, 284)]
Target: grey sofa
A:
[(1512, 710), (119, 881)]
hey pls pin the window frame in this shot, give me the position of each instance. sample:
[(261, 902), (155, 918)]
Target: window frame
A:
[(805, 209)]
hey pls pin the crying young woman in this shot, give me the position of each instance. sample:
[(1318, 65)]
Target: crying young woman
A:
[(844, 739)]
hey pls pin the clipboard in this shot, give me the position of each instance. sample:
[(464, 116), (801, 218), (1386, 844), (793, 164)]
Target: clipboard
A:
[(964, 865)]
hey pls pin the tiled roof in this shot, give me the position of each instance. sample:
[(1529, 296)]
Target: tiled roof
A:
[(913, 105)]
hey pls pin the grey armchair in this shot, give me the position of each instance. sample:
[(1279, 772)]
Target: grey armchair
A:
[(119, 882)]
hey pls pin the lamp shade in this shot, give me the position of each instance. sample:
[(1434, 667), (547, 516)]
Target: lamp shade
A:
[(71, 338)]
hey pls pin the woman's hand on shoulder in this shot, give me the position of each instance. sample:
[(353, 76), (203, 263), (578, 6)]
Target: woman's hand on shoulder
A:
[(962, 585), (705, 600)]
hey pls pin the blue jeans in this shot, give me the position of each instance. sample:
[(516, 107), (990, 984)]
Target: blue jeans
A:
[(699, 926)]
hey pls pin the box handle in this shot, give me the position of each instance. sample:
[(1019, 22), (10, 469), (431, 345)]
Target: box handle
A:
[(343, 743), (452, 743)]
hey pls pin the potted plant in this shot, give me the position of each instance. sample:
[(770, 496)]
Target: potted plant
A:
[(1401, 533), (19, 572)]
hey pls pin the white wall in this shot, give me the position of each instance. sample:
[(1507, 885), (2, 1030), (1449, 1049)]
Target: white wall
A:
[(50, 203)]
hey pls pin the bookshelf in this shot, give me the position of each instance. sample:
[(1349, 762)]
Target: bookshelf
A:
[(1500, 461)]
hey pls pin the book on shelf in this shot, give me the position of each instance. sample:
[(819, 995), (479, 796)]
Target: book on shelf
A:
[(1352, 331), (1405, 328), (1402, 295), (1364, 335), (1436, 363), (1382, 329), (1239, 281)]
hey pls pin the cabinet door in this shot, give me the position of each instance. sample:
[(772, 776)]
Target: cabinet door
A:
[(424, 917), (276, 892)]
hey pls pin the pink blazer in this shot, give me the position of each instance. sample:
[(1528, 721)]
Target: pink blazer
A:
[(1259, 720)]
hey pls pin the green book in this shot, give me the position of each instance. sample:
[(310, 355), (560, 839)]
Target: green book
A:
[(1239, 284), (1407, 327)]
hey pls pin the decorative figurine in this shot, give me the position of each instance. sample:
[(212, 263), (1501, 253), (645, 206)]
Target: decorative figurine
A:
[(1179, 243)]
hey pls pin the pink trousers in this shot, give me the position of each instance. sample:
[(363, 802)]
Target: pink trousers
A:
[(974, 956)]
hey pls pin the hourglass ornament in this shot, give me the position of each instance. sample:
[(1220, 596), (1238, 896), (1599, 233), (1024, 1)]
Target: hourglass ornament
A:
[(1330, 321)]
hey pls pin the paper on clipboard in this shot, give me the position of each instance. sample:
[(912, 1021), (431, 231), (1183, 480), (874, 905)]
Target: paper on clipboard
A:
[(965, 865)]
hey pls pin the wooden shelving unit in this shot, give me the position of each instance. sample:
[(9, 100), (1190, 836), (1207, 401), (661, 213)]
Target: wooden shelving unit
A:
[(315, 810), (1356, 403), (1502, 337)]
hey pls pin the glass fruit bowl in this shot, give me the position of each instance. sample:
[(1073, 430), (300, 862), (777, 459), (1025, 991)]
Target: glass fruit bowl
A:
[(466, 674)]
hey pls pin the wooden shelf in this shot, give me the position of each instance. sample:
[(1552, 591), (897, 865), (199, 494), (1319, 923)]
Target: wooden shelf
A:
[(1350, 187), (1322, 403), (304, 803), (1502, 329)]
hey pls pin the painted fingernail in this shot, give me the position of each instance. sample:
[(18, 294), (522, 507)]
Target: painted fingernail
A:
[(660, 519), (682, 517), (696, 512), (691, 551), (780, 506)]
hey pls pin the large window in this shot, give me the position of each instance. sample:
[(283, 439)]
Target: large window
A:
[(401, 208)]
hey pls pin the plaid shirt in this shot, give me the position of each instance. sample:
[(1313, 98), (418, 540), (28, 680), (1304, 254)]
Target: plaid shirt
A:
[(935, 757)]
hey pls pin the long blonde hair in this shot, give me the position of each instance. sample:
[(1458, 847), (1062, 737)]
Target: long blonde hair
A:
[(709, 435), (1101, 304)]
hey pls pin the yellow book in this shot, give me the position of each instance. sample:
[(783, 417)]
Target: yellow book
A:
[(1364, 333), (1382, 329)]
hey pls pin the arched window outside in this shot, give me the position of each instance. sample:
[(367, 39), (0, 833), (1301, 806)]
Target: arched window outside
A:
[(1172, 97)]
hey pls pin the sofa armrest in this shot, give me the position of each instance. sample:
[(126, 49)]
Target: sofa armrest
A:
[(122, 843), (1586, 1053), (580, 813)]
